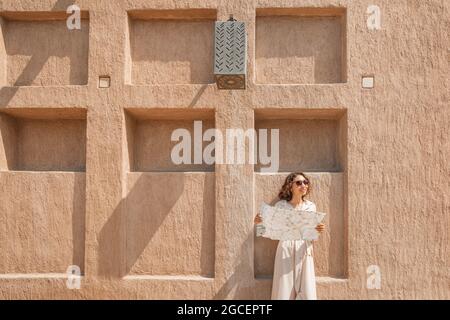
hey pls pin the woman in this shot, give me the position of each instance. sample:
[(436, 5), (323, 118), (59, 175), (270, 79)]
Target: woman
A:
[(291, 254)]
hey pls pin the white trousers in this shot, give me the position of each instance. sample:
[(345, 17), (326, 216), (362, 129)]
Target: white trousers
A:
[(294, 277)]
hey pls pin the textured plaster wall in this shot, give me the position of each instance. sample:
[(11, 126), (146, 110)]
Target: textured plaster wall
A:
[(182, 211), (3, 56), (155, 62), (43, 53), (297, 151), (281, 59), (41, 214), (78, 187)]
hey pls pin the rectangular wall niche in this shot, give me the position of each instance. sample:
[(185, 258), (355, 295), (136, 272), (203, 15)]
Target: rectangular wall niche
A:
[(170, 46), (310, 140), (300, 45), (313, 141), (148, 138), (43, 221), (42, 139), (165, 199), (38, 49), (328, 195), (169, 220)]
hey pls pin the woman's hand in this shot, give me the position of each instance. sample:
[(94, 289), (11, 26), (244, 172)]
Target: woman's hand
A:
[(320, 227), (258, 218)]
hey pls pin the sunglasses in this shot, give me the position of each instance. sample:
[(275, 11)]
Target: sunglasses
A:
[(300, 182)]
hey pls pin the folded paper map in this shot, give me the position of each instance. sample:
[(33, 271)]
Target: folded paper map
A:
[(289, 224)]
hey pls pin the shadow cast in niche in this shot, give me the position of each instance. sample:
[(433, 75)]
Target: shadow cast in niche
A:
[(34, 66), (116, 256), (40, 52), (79, 219), (136, 221), (336, 262)]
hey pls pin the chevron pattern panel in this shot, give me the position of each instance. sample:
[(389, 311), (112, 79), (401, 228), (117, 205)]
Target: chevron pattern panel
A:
[(230, 54)]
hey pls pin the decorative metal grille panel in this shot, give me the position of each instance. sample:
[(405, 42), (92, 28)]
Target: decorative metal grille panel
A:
[(230, 54)]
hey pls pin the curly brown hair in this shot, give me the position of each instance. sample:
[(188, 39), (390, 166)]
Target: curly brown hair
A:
[(286, 190)]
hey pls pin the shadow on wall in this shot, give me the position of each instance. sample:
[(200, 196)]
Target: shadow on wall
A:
[(164, 226), (335, 222), (46, 65), (240, 285), (79, 221), (37, 61)]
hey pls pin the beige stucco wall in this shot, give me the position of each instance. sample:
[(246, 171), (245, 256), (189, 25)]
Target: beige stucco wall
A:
[(86, 178)]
